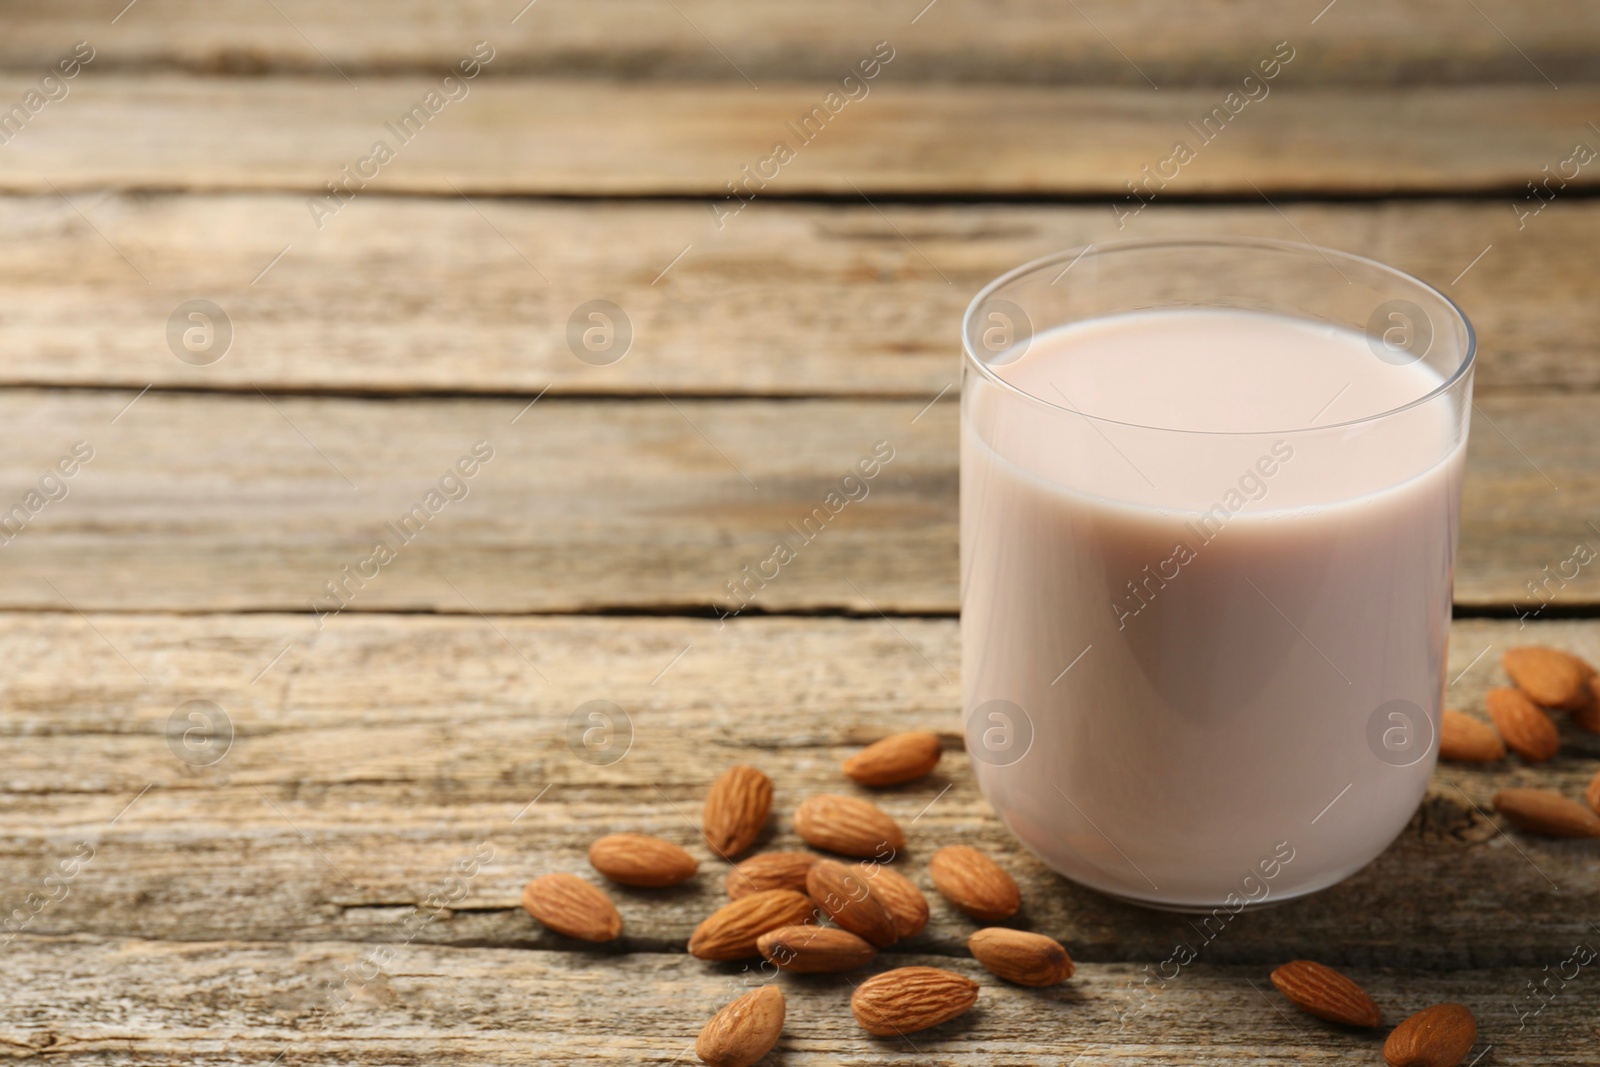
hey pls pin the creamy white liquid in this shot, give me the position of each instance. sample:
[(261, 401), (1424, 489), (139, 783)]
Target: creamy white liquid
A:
[(1234, 602)]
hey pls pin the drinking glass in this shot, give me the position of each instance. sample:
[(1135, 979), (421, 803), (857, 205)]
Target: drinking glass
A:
[(1204, 669)]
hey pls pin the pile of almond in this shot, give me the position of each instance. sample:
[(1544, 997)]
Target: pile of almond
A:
[(806, 913), (1543, 680)]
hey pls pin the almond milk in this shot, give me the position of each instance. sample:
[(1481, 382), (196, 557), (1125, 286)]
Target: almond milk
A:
[(1199, 577)]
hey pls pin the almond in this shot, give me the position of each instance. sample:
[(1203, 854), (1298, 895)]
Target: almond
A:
[(730, 932), (1544, 811), (638, 859), (1588, 716), (770, 870), (1468, 740), (974, 883), (569, 905), (908, 999), (847, 825), (814, 949), (736, 810), (1527, 729), (1440, 1036), (1325, 993), (1592, 794), (1548, 676), (895, 759), (1021, 957), (845, 895), (907, 906), (744, 1030)]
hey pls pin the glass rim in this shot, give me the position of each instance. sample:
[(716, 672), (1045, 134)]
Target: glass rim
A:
[(1146, 244)]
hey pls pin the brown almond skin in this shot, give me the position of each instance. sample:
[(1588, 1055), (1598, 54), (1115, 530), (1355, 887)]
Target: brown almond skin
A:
[(907, 906), (895, 759), (1327, 994), (569, 905), (847, 898), (1467, 740), (1544, 811), (1528, 730), (1588, 716), (1550, 677), (770, 870), (974, 883), (1021, 957), (849, 826), (744, 1030), (736, 810), (1440, 1036), (642, 860), (814, 949), (731, 932), (1592, 794), (908, 999)]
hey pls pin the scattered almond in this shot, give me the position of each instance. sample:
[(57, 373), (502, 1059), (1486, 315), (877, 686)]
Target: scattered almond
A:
[(847, 898), (1528, 731), (736, 810), (1548, 676), (1440, 1036), (1544, 811), (974, 883), (895, 759), (730, 932), (641, 860), (1592, 794), (908, 999), (906, 904), (814, 949), (1588, 716), (1468, 740), (1327, 994), (744, 1030), (847, 825), (569, 905), (770, 870), (1021, 957)]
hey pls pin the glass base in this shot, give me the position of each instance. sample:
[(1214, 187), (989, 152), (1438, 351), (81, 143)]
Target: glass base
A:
[(1201, 908)]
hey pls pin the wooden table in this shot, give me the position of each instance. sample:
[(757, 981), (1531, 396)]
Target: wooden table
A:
[(262, 884)]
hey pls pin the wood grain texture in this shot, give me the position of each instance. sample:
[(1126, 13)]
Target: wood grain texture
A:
[(385, 784), (368, 761), (1032, 40), (201, 502), (589, 138), (94, 1001), (399, 295)]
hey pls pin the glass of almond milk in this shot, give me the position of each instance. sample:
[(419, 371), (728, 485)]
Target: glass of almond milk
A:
[(1209, 499)]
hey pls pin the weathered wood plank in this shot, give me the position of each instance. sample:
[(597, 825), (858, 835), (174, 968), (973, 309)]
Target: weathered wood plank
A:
[(226, 1002), (369, 758), (1170, 43), (398, 295), (224, 502), (585, 138)]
